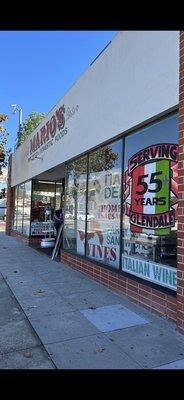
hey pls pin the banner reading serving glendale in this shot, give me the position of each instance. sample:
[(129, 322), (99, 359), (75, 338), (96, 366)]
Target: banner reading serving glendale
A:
[(151, 189)]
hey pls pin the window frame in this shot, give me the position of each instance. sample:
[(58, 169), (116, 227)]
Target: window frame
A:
[(122, 136)]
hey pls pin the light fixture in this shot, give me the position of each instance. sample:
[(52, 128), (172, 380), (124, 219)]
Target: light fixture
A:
[(52, 183), (16, 108)]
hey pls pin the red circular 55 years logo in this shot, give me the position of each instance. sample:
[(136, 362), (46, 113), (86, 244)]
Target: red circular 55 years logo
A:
[(151, 189)]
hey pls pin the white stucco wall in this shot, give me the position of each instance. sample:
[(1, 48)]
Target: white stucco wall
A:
[(135, 78)]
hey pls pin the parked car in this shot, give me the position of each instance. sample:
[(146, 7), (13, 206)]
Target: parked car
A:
[(3, 209)]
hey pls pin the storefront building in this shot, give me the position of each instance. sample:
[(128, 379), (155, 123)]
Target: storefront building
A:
[(113, 147)]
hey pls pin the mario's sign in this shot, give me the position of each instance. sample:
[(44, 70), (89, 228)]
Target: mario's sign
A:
[(51, 132), (48, 130)]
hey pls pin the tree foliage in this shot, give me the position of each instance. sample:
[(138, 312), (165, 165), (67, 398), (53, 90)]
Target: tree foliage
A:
[(102, 159), (4, 153), (31, 122)]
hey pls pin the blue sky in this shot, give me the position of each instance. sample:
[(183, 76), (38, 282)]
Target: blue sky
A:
[(38, 67)]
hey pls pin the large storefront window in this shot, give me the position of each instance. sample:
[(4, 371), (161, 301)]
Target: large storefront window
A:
[(75, 206), (32, 200), (27, 208), (15, 209), (104, 194), (94, 199), (150, 203), (20, 207)]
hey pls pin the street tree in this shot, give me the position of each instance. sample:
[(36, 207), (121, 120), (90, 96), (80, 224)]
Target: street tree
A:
[(31, 122), (103, 159), (4, 153)]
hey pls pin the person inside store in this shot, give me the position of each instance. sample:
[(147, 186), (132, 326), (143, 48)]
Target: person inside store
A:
[(48, 211), (58, 218)]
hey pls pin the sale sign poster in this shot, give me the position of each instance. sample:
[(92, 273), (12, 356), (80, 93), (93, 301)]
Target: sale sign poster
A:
[(151, 189)]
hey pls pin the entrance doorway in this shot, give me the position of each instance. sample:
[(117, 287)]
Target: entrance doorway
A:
[(47, 197)]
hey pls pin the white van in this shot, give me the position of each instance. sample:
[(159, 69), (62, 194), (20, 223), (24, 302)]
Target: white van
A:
[(2, 209)]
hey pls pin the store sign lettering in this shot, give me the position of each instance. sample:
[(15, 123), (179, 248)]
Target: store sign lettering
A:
[(158, 151), (109, 211), (37, 228), (151, 181), (103, 232), (153, 272), (51, 132), (104, 253), (112, 186), (151, 221), (48, 130)]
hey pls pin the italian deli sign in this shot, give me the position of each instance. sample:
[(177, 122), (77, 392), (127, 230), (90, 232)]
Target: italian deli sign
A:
[(163, 275), (51, 132)]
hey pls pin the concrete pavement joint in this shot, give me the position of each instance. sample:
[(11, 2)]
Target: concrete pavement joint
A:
[(27, 318)]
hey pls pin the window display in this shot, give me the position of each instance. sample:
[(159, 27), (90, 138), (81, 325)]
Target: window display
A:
[(104, 197), (150, 197), (75, 205)]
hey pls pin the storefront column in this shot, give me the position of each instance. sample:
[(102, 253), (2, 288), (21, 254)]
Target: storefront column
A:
[(9, 209), (180, 264)]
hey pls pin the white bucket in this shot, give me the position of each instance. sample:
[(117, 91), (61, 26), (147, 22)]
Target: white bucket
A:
[(47, 243)]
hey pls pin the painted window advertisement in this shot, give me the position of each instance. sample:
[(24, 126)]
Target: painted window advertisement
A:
[(104, 195), (75, 206), (150, 202)]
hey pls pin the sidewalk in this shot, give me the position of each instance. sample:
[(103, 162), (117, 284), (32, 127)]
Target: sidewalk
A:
[(52, 316)]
